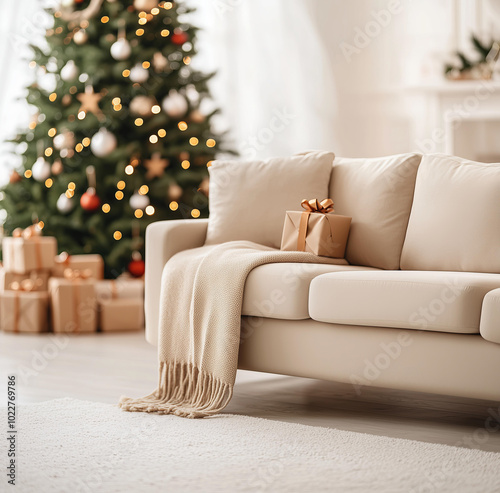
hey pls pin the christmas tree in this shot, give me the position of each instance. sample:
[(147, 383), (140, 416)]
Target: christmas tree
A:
[(120, 140)]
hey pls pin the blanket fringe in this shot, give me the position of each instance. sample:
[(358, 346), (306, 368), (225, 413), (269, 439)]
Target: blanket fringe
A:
[(183, 390)]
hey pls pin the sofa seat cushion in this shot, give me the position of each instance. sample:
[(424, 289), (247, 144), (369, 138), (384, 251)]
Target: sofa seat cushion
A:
[(282, 290), (490, 317), (434, 301)]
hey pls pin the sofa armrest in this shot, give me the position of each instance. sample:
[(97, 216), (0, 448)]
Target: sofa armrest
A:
[(163, 240), (490, 317)]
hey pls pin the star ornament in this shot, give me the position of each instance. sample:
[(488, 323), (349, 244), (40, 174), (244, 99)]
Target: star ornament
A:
[(90, 101), (155, 166)]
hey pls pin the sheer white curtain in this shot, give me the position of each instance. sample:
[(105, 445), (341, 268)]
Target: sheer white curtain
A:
[(274, 83), (21, 22)]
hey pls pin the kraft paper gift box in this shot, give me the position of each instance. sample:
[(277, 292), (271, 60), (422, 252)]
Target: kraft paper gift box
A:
[(24, 311), (121, 314), (7, 279), (73, 305), (92, 264), (121, 288), (21, 255), (320, 233)]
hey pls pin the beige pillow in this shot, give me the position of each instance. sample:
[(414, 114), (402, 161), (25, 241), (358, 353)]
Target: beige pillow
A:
[(248, 199), (455, 218), (377, 193)]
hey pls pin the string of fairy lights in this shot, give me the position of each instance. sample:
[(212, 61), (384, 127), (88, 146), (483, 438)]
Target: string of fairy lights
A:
[(103, 142)]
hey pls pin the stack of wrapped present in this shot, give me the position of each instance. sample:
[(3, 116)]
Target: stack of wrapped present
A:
[(42, 291)]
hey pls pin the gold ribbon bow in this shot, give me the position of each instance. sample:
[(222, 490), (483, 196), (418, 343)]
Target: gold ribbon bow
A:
[(314, 205), (73, 274), (311, 206)]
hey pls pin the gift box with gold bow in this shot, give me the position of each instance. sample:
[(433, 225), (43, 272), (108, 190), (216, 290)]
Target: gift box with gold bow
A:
[(73, 302), (28, 251), (9, 278), (316, 230), (24, 308), (92, 263)]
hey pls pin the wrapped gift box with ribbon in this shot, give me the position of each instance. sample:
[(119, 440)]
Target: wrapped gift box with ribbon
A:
[(121, 304), (28, 251), (7, 279), (92, 263), (73, 302), (24, 308), (316, 230)]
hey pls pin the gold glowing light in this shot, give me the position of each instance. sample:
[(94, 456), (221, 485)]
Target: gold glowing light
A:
[(41, 224), (155, 11), (153, 139), (27, 173), (211, 143), (120, 185), (165, 33), (173, 205), (129, 169), (106, 208), (82, 115), (138, 213), (79, 147), (195, 213), (104, 19), (119, 195), (116, 101), (117, 235), (126, 72), (146, 65), (150, 210), (52, 132), (167, 5), (32, 125), (193, 141), (86, 141), (143, 190), (142, 15), (139, 32), (185, 164), (71, 185), (182, 126), (138, 122), (186, 60), (69, 194), (49, 182), (142, 21), (49, 151), (52, 97), (155, 109), (162, 132)]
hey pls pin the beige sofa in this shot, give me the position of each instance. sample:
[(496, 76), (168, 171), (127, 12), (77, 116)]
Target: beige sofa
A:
[(417, 304)]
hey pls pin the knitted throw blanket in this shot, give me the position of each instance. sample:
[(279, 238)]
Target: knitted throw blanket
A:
[(201, 299)]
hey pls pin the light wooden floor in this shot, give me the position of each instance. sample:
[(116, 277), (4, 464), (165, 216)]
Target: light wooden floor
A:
[(102, 367)]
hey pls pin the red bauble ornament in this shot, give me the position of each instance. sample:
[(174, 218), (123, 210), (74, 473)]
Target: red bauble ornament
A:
[(89, 200), (179, 38), (137, 267)]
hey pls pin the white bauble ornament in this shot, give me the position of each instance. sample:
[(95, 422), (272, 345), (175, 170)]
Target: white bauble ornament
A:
[(64, 204), (69, 71), (138, 201), (141, 105), (146, 5), (65, 140), (41, 169), (103, 143), (80, 37), (139, 74), (120, 50), (67, 3), (175, 104)]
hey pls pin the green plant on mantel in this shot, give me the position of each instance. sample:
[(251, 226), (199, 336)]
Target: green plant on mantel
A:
[(481, 68)]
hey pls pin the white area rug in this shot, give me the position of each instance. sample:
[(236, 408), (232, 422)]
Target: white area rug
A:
[(67, 445)]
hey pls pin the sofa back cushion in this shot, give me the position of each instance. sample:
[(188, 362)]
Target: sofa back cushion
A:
[(249, 199), (455, 218), (377, 193)]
